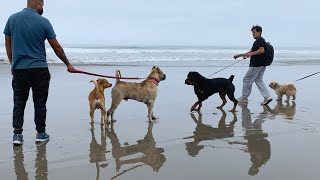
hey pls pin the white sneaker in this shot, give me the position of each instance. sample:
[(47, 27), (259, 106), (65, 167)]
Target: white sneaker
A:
[(266, 101), (242, 100)]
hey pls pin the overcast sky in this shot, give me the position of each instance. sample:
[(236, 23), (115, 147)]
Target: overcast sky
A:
[(178, 22)]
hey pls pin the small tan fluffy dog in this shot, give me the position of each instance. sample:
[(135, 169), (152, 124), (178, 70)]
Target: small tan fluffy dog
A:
[(145, 92), (284, 89), (97, 99)]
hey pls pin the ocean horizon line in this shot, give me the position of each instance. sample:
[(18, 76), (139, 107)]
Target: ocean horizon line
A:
[(106, 46)]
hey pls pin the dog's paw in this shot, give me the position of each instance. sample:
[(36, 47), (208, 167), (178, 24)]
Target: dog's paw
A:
[(192, 109)]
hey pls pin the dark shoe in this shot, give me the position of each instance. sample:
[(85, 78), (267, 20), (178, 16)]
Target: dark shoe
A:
[(266, 101), (17, 139), (40, 137)]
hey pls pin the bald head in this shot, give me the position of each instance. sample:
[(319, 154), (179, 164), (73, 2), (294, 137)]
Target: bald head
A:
[(36, 5)]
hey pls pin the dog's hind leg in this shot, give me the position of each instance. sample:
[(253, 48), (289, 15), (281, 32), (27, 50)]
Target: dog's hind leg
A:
[(223, 98), (150, 110), (103, 115), (91, 114), (288, 98), (233, 99), (115, 103)]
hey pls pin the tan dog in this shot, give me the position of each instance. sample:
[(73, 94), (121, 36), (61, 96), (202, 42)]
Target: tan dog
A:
[(145, 92), (284, 89), (97, 99)]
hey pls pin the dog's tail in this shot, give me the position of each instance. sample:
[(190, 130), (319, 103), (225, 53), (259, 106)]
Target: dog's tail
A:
[(118, 75), (231, 78), (96, 85)]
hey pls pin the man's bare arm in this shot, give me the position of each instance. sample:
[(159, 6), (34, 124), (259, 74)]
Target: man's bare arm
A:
[(60, 52), (8, 48), (257, 52)]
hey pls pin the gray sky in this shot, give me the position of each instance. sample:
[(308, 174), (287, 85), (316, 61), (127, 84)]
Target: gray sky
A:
[(178, 22)]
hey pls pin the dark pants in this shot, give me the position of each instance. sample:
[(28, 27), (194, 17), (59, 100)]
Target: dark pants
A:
[(38, 80)]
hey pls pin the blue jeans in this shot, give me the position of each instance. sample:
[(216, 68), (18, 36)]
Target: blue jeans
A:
[(38, 80)]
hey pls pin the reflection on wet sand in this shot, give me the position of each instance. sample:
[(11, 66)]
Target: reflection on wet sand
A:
[(41, 163), (19, 168), (288, 110), (98, 151), (152, 156), (257, 144), (205, 132)]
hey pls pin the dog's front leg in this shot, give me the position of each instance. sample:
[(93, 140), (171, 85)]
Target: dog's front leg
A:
[(199, 107), (194, 106), (150, 110), (224, 101), (279, 96)]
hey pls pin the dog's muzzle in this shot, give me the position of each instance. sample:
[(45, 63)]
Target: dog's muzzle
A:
[(187, 82)]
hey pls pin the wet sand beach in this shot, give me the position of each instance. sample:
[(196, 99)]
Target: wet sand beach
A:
[(278, 141)]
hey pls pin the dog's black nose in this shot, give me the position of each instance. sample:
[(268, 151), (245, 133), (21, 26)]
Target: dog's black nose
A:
[(186, 81), (164, 76)]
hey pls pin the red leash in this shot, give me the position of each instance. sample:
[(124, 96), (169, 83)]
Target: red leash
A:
[(93, 74)]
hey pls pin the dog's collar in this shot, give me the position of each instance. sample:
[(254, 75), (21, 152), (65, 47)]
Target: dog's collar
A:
[(154, 80)]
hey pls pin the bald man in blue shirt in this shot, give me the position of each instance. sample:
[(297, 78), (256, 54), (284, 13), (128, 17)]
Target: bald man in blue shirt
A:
[(25, 35)]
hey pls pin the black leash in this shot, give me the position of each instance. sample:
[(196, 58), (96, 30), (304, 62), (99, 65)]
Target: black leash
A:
[(226, 67), (306, 76)]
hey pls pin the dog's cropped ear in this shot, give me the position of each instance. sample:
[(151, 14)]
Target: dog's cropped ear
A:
[(153, 67)]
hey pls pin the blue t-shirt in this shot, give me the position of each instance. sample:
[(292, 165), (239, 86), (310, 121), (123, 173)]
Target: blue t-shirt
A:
[(28, 31)]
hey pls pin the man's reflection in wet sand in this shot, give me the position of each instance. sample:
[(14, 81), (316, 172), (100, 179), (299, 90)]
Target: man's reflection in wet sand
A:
[(288, 109), (152, 156), (19, 163), (257, 143), (205, 132), (41, 163), (98, 151)]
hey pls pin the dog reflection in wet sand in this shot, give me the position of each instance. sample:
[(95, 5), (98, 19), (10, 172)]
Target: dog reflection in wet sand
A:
[(98, 151), (205, 132), (288, 109), (131, 154), (145, 92)]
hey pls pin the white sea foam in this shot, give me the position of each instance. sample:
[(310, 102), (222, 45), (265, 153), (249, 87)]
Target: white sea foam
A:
[(211, 56)]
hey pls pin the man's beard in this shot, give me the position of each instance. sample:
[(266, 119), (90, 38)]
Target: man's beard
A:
[(40, 11)]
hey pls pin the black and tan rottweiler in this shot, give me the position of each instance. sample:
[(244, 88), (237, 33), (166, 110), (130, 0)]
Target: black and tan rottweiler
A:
[(204, 88)]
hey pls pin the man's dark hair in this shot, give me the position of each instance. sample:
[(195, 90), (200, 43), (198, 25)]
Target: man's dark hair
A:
[(257, 28)]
